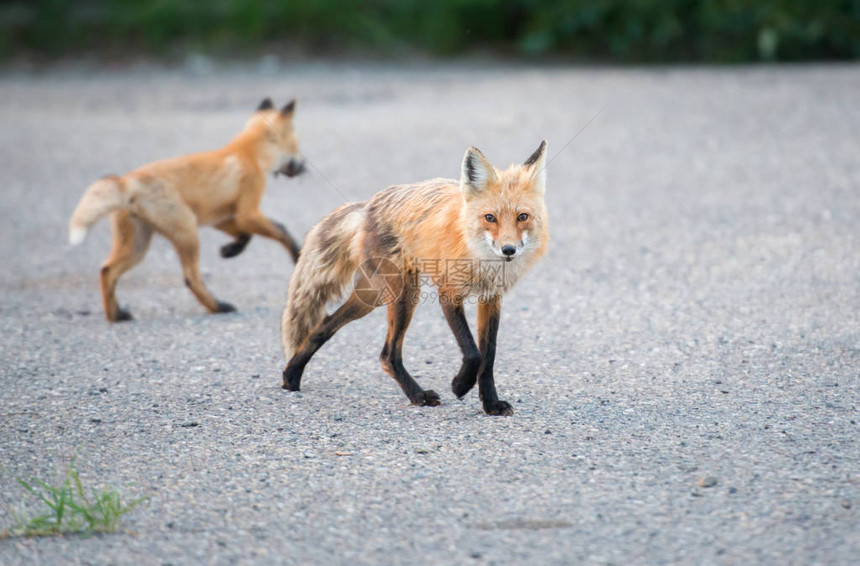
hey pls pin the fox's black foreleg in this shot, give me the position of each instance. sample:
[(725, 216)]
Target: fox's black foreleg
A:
[(235, 247), (352, 309), (287, 239), (455, 315), (489, 313), (400, 313)]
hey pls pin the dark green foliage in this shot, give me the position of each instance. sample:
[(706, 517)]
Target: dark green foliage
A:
[(603, 30)]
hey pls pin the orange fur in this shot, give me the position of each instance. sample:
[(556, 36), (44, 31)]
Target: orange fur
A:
[(426, 228), (222, 188)]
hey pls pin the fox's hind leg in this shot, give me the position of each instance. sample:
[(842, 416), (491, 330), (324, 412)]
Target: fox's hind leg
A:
[(353, 309), (464, 381), (400, 313), (131, 237)]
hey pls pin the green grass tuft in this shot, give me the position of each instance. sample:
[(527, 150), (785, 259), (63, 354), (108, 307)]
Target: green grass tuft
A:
[(66, 508)]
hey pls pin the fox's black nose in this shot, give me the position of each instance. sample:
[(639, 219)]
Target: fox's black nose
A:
[(509, 250), (295, 167), (292, 168)]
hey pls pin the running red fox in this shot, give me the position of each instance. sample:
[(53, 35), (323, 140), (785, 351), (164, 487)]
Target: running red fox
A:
[(222, 188), (472, 238)]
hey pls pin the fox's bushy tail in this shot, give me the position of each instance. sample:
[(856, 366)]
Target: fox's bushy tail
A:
[(324, 273), (101, 198)]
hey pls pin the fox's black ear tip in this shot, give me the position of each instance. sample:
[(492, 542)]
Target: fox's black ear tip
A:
[(289, 107), (267, 104), (533, 158)]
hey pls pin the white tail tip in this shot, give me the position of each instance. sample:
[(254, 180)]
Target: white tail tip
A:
[(76, 236)]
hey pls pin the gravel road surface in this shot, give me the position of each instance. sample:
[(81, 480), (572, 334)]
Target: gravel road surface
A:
[(696, 323)]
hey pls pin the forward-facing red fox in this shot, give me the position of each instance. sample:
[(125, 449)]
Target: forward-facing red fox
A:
[(490, 216)]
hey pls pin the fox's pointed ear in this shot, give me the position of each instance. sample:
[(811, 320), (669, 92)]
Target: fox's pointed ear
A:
[(265, 105), (536, 164), (289, 108), (476, 173)]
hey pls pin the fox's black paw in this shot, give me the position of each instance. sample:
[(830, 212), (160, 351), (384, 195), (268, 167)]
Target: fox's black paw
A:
[(231, 250), (498, 408), (466, 378), (225, 307), (292, 379), (428, 399), (235, 247), (462, 386), (123, 315)]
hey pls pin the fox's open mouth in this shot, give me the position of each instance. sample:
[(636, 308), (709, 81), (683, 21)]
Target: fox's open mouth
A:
[(291, 169)]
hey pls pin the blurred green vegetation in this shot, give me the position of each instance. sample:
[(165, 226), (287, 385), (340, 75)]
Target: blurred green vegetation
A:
[(583, 30)]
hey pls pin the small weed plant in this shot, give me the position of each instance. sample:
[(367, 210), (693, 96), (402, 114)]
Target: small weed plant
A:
[(68, 509)]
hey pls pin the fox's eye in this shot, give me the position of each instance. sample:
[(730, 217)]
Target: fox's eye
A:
[(489, 218), (522, 217)]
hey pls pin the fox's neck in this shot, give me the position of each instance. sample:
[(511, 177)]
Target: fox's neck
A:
[(254, 146)]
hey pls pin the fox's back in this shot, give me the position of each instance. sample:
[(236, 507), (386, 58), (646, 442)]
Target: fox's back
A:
[(417, 221), (207, 182)]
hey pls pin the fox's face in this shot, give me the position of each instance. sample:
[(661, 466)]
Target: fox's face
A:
[(281, 137), (505, 213)]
